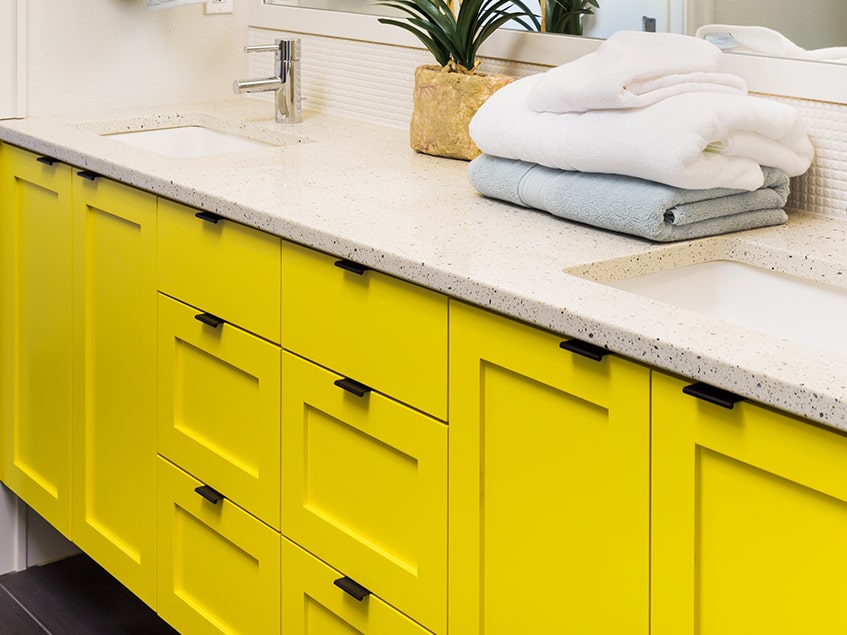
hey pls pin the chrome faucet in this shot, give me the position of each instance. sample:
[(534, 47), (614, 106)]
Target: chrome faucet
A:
[(285, 83)]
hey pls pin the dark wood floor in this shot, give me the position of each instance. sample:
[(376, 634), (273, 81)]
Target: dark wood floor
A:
[(73, 597)]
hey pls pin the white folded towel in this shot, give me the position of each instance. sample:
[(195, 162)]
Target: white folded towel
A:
[(691, 140), (633, 69)]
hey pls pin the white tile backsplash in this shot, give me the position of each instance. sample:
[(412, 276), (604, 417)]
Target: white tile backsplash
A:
[(374, 83)]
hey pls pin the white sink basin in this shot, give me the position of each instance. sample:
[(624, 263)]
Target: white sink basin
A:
[(769, 302), (188, 141)]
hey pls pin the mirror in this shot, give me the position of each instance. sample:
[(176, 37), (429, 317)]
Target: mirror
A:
[(809, 25)]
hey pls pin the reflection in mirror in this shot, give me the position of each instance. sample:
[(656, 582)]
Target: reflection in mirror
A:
[(808, 25)]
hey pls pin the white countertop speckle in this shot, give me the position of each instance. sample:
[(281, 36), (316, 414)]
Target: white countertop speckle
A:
[(357, 191)]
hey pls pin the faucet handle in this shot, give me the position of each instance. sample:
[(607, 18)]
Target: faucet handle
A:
[(262, 48)]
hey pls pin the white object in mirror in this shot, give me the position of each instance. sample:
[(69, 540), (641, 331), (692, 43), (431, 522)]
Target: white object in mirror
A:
[(758, 40)]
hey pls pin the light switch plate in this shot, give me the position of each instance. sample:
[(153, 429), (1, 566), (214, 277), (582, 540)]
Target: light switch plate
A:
[(218, 6)]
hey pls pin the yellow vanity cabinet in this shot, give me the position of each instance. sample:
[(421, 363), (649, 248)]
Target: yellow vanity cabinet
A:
[(365, 489), (314, 601), (35, 331), (749, 514), (219, 393), (549, 484), (382, 331), (219, 567), (114, 395)]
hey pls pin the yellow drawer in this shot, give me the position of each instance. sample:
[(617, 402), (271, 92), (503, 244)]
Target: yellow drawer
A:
[(386, 333), (365, 488), (230, 270), (219, 408), (312, 603), (219, 568)]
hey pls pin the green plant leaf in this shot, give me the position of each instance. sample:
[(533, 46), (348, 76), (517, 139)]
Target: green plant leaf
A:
[(441, 55), (458, 36)]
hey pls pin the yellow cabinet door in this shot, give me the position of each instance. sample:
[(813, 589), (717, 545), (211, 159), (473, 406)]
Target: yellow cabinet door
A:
[(219, 408), (35, 331), (748, 522), (314, 602), (364, 486), (219, 567), (114, 360), (549, 484)]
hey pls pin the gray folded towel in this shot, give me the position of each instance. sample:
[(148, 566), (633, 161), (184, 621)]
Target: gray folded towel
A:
[(630, 205)]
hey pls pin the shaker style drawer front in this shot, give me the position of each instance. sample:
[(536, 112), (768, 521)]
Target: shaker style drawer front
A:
[(314, 602), (219, 406), (389, 334), (230, 270), (365, 488), (219, 567)]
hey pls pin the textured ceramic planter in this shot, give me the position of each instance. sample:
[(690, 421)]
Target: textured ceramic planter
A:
[(444, 104)]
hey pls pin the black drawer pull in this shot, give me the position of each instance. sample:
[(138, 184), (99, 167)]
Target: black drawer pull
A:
[(713, 394), (210, 217), (209, 320), (353, 386), (211, 495), (88, 175), (586, 349), (351, 587), (352, 267), (47, 160)]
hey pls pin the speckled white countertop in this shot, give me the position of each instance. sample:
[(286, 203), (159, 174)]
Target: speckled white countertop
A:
[(357, 191)]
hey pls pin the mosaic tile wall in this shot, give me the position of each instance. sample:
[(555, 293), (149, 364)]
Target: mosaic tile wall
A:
[(374, 82)]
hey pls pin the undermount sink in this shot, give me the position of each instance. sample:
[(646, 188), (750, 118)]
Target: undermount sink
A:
[(762, 300), (189, 141)]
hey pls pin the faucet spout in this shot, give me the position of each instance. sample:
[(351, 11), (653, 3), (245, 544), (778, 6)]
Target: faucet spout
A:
[(285, 83)]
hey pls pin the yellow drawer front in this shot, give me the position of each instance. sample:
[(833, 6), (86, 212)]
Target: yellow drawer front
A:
[(230, 270), (749, 518), (35, 331), (386, 333), (312, 604), (219, 409), (365, 488), (219, 568)]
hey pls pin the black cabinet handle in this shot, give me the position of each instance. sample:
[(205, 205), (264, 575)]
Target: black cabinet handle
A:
[(209, 217), (211, 495), (88, 175), (352, 267), (209, 320), (47, 160), (351, 587), (713, 394), (353, 386), (586, 349)]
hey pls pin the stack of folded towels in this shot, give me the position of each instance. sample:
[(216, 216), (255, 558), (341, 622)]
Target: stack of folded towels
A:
[(642, 136)]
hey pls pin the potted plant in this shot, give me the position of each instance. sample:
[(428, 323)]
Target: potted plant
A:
[(448, 95), (565, 16)]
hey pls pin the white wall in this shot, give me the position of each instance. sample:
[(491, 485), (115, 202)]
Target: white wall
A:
[(9, 17), (101, 54), (12, 532)]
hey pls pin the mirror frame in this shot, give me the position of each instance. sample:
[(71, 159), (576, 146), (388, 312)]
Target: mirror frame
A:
[(819, 81)]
